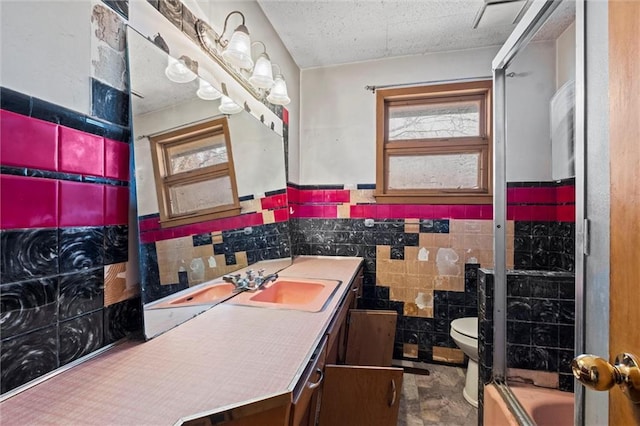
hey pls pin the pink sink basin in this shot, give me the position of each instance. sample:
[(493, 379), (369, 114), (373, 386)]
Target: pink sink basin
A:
[(204, 295), (290, 293)]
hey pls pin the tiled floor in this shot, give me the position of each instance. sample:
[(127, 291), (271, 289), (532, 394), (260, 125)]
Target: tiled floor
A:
[(435, 399)]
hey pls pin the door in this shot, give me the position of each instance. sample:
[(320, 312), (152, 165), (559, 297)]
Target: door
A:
[(360, 396), (624, 146), (370, 337)]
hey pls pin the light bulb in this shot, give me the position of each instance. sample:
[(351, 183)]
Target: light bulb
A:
[(238, 50), (278, 95), (227, 106), (262, 76), (178, 72), (207, 92)]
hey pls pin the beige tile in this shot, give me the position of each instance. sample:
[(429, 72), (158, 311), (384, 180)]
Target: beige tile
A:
[(539, 378), (410, 309), (458, 241), (116, 287), (344, 211), (268, 216), (473, 227), (425, 313), (412, 221), (441, 240), (361, 196), (203, 252), (383, 253), (487, 227), (411, 253), (456, 226), (410, 350), (426, 240), (411, 228), (216, 238), (397, 267), (454, 356), (511, 227)]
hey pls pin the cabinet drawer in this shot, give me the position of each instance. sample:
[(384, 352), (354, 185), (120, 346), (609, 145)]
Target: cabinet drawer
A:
[(310, 380)]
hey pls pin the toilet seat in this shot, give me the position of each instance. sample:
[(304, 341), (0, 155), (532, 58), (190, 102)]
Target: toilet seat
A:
[(466, 326)]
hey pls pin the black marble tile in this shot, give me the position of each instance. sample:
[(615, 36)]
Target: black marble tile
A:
[(519, 309), (544, 335), (441, 226), (411, 239), (544, 311), (53, 113), (543, 359), (455, 298), (81, 293), (13, 101), (106, 129), (80, 248), (566, 382), (427, 226), (544, 288), (154, 3), (349, 250), (116, 244), (28, 254), (27, 305), (519, 332), (230, 259), (120, 6), (397, 252), (566, 336), (27, 357), (109, 103), (80, 336), (564, 361), (518, 356), (122, 319), (382, 292), (566, 312)]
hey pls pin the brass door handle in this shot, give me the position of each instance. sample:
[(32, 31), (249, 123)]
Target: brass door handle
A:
[(598, 374)]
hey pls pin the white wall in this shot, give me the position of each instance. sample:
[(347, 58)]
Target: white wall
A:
[(528, 124), (566, 56), (337, 129), (46, 50)]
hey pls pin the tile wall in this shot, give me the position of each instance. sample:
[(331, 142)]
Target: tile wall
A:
[(64, 237)]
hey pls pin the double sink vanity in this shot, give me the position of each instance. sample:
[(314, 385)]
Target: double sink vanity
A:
[(290, 337)]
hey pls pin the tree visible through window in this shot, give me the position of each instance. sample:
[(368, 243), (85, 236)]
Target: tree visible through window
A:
[(434, 144), (195, 179)]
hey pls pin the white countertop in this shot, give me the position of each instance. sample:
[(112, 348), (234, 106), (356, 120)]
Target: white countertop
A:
[(224, 356)]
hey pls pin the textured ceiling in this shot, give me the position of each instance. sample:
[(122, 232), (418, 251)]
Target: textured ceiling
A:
[(324, 33)]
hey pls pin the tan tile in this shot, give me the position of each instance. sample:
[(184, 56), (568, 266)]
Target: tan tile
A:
[(487, 227), (344, 211), (397, 267), (383, 253), (426, 268), (399, 294), (116, 287), (411, 228), (382, 278), (456, 226), (411, 253), (426, 240), (458, 241), (410, 309), (425, 313), (442, 240), (539, 378), (412, 221), (203, 252), (511, 227), (510, 259), (268, 216), (216, 238), (361, 196), (412, 267), (454, 356), (510, 242), (410, 350)]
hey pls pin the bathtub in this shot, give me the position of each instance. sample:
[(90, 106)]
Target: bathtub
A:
[(547, 407)]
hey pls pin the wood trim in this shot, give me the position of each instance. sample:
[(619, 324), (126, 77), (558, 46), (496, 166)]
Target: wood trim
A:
[(159, 145), (624, 148), (478, 90)]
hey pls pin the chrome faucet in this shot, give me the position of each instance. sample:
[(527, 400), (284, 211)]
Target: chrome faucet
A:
[(250, 281)]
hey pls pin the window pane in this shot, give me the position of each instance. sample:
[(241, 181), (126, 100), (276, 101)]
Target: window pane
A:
[(195, 196), (205, 152), (434, 171), (433, 120)]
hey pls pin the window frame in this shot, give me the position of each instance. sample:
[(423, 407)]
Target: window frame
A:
[(480, 90), (164, 179)]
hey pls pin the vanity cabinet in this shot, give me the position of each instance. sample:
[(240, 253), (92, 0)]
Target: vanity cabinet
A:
[(359, 349)]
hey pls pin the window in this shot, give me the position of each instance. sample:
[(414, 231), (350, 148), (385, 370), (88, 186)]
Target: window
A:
[(434, 144), (195, 179)]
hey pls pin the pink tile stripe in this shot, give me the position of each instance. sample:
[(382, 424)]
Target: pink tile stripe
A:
[(37, 144), (150, 230), (28, 202)]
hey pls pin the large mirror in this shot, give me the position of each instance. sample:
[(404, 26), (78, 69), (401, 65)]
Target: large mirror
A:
[(211, 187)]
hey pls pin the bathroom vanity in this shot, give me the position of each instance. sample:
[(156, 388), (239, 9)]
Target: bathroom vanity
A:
[(234, 352)]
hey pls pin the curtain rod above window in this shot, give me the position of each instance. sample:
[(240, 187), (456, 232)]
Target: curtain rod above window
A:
[(373, 89)]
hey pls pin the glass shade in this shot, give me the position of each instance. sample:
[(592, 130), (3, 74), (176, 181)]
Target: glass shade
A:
[(178, 72), (262, 76), (227, 106), (238, 51), (278, 95), (207, 92)]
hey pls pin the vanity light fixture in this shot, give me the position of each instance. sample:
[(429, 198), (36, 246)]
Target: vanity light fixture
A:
[(207, 92), (177, 71), (227, 106), (237, 50), (278, 94), (262, 76)]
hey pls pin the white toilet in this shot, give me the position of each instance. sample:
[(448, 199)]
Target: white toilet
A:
[(464, 331)]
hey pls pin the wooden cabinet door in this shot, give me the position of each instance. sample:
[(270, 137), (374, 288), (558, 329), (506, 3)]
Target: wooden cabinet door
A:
[(360, 396), (370, 337)]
